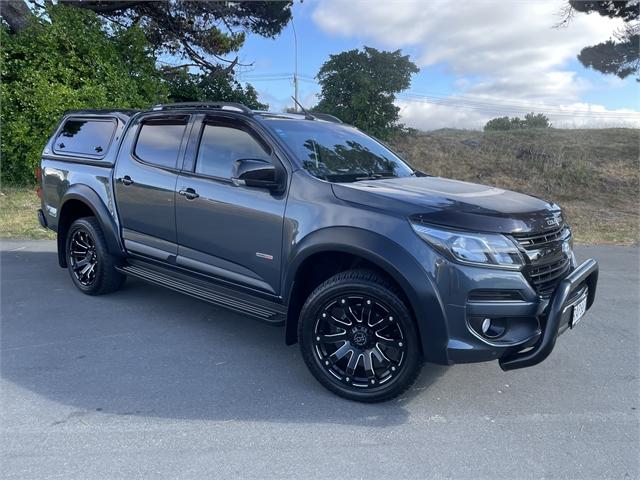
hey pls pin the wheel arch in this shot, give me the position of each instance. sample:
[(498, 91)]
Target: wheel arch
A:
[(366, 249), (81, 201)]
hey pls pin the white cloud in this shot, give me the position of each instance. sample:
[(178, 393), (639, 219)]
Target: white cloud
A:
[(499, 51), (428, 116)]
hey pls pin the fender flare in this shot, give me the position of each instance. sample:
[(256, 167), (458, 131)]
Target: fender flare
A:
[(394, 260), (91, 199)]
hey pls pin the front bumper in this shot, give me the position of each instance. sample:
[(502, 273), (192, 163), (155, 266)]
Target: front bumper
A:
[(530, 322), (556, 317)]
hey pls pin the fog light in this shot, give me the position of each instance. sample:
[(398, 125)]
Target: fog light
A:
[(486, 324)]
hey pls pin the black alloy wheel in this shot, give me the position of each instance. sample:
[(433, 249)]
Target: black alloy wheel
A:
[(358, 337), (91, 266), (84, 259), (358, 341)]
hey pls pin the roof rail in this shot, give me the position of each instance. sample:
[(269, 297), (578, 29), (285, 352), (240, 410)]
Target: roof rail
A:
[(326, 117), (216, 105)]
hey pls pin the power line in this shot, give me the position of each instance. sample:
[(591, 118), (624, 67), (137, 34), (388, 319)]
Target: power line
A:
[(467, 102), (502, 108)]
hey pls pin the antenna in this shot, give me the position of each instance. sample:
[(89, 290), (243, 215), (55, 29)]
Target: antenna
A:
[(295, 64), (307, 115)]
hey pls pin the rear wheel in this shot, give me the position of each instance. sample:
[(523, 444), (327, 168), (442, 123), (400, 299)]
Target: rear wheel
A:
[(358, 338), (91, 266)]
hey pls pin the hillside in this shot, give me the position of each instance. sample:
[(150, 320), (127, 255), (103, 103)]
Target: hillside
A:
[(593, 174)]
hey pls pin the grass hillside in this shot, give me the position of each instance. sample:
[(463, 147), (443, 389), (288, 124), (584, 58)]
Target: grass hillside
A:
[(593, 174)]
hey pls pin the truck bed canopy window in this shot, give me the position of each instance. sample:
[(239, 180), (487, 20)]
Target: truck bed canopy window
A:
[(159, 141), (81, 136)]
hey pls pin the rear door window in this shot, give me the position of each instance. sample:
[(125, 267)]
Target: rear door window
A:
[(159, 141), (90, 137)]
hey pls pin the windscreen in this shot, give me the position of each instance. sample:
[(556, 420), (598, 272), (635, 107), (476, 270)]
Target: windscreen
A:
[(338, 153)]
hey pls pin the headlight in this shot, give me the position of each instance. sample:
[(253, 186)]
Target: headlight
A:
[(486, 249)]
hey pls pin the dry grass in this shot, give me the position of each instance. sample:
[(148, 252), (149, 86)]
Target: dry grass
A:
[(593, 174), (18, 218)]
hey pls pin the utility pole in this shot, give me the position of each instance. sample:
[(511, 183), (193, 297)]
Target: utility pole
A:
[(295, 65)]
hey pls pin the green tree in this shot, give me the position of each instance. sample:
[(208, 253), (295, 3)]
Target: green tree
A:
[(501, 123), (201, 33), (62, 62), (531, 120), (359, 87), (618, 56), (189, 87), (539, 120)]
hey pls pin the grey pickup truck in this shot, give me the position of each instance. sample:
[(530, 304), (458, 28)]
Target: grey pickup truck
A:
[(300, 220)]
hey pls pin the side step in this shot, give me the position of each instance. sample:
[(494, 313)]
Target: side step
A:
[(270, 312)]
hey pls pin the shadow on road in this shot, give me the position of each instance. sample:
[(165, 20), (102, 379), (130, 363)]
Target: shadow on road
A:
[(147, 351)]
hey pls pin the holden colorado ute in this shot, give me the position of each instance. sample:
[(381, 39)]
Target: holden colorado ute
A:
[(300, 220)]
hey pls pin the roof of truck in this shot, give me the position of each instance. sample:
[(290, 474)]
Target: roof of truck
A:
[(126, 114)]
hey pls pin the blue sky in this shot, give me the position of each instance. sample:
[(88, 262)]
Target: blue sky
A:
[(473, 61)]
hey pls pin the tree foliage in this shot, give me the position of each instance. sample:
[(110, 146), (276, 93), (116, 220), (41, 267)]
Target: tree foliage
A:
[(189, 87), (359, 86), (531, 120), (202, 32), (67, 62), (619, 56)]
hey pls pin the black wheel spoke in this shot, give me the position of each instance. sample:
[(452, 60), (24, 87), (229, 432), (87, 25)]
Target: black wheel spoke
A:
[(340, 352), (380, 356), (337, 322), (367, 309), (332, 337), (368, 365), (351, 315), (382, 323), (389, 342), (353, 362), (82, 263)]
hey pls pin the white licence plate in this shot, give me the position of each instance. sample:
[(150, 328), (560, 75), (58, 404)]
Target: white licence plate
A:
[(578, 311)]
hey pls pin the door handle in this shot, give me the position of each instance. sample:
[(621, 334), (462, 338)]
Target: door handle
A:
[(126, 180), (189, 193)]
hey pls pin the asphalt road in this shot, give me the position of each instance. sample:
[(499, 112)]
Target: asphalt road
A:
[(146, 383)]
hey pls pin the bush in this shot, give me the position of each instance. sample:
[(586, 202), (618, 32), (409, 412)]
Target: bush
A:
[(531, 120), (63, 62)]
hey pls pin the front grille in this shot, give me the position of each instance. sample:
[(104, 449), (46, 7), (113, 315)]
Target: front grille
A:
[(531, 241), (545, 278), (547, 263)]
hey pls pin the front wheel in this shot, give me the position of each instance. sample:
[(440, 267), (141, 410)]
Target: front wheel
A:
[(358, 338)]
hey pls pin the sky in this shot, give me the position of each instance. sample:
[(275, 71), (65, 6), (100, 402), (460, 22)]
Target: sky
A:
[(478, 60)]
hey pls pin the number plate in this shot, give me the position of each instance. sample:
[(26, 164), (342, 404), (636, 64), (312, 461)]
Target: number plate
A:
[(578, 311)]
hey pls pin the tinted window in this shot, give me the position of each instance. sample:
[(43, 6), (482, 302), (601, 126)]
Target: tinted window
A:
[(222, 145), (337, 152), (159, 141), (85, 137)]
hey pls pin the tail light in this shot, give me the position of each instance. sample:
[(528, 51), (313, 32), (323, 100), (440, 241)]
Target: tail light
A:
[(38, 173)]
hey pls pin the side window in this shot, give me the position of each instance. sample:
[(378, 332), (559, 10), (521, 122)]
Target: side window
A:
[(85, 137), (222, 145), (159, 141)]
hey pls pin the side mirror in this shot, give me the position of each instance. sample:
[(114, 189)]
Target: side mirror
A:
[(252, 172)]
